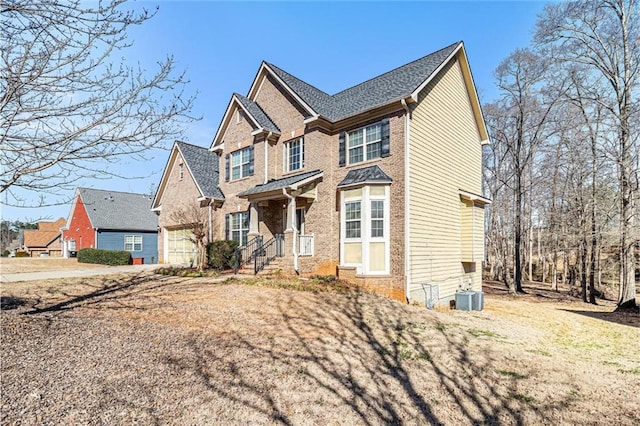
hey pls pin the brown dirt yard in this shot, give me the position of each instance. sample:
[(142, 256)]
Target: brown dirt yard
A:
[(149, 349)]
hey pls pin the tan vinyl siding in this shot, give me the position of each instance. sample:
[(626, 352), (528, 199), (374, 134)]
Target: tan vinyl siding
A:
[(466, 230), (445, 157)]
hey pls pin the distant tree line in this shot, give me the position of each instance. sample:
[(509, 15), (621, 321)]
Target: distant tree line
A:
[(563, 164)]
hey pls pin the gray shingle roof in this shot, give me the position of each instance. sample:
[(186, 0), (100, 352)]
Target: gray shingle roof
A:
[(274, 185), (378, 91), (371, 174), (119, 210), (203, 165), (320, 101), (256, 112)]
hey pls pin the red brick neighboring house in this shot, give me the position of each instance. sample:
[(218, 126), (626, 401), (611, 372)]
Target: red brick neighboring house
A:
[(45, 239), (78, 232)]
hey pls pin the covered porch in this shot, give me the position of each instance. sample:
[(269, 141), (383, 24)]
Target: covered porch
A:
[(278, 207)]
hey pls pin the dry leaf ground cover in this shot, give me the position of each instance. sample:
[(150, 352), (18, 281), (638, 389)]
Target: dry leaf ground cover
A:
[(16, 265), (156, 350)]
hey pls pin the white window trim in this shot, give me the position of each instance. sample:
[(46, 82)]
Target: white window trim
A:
[(363, 145), (133, 243), (239, 154), (286, 150), (241, 229), (365, 230)]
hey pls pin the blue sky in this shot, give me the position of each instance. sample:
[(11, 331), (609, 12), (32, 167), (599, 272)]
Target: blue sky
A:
[(331, 45)]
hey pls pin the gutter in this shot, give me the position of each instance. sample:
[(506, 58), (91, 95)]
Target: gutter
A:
[(407, 191), (295, 230)]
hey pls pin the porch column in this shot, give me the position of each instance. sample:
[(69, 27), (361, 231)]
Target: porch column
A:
[(290, 232), (253, 220), (291, 215)]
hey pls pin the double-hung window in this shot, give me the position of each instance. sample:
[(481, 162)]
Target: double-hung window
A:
[(364, 143), (241, 163), (294, 155), (364, 241), (238, 227), (133, 242)]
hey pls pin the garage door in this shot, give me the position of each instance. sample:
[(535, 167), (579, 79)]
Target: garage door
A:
[(180, 248)]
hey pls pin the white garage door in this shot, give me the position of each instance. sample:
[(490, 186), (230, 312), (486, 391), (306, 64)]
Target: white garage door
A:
[(180, 248)]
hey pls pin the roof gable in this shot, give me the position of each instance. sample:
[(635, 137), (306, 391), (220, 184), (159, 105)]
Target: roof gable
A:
[(202, 165), (402, 83), (255, 113), (118, 210)]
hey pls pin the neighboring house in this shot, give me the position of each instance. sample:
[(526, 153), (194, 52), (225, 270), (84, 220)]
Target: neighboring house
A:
[(379, 184), (112, 220), (45, 240)]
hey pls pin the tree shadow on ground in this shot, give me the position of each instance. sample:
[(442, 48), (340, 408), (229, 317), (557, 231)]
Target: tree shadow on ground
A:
[(114, 291), (631, 319), (360, 358)]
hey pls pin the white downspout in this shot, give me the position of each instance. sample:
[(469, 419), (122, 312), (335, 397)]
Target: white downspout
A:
[(293, 226), (407, 246), (266, 157)]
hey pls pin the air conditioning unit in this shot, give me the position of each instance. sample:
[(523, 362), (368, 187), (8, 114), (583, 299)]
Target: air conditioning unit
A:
[(477, 300), (464, 300)]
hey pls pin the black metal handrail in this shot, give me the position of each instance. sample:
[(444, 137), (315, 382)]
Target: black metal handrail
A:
[(246, 253), (267, 252)]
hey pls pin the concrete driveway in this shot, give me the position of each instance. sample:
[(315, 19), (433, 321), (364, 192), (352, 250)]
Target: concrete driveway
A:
[(72, 273)]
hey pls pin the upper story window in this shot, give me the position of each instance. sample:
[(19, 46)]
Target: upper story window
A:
[(239, 116), (239, 164), (364, 144), (181, 171), (133, 242), (294, 155)]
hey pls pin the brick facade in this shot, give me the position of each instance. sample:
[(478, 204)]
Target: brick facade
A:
[(179, 192), (80, 229), (287, 104)]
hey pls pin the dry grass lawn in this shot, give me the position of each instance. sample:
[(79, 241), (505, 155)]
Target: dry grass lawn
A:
[(149, 349), (16, 265)]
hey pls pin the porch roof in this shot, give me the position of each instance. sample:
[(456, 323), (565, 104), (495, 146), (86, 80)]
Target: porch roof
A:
[(279, 184), (371, 174)]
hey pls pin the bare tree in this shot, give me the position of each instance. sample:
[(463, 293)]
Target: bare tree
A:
[(520, 123), (69, 105), (195, 219), (604, 36)]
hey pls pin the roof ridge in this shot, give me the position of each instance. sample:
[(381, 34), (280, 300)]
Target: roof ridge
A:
[(113, 190), (193, 145), (396, 68), (297, 78)]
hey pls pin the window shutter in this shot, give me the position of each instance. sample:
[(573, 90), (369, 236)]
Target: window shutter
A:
[(227, 226), (251, 160), (226, 167), (385, 145), (342, 149), (302, 152)]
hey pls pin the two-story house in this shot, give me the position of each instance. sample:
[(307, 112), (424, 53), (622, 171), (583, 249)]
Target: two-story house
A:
[(379, 184)]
